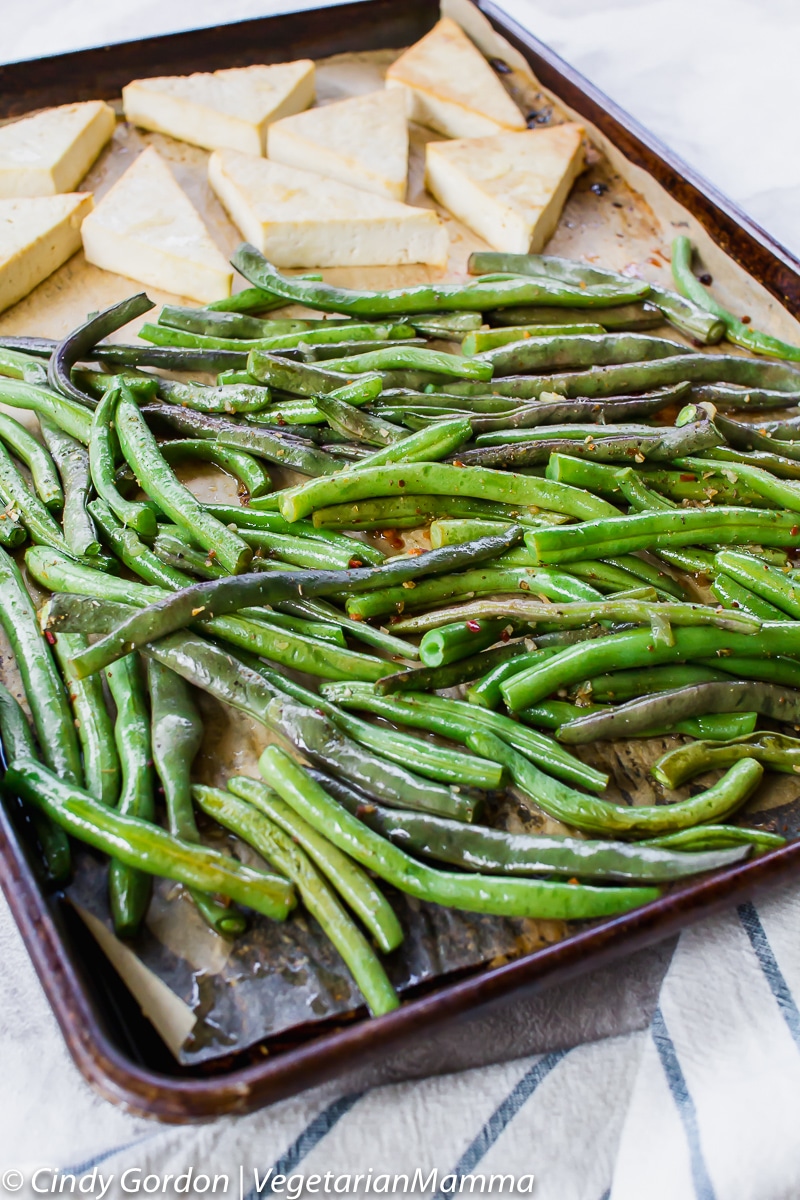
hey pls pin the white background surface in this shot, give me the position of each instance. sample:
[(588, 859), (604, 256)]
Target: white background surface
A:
[(717, 80)]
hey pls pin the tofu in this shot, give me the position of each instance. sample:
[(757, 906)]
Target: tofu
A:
[(510, 188), (300, 219), (37, 235), (52, 151), (147, 228), (219, 109), (450, 87), (363, 142)]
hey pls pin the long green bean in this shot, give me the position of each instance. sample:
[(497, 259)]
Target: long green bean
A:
[(351, 882), (469, 892)]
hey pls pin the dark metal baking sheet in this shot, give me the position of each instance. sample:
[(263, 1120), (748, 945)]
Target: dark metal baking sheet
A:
[(112, 1044)]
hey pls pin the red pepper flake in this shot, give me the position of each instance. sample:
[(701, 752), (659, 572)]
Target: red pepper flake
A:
[(457, 462), (505, 636), (401, 483), (794, 530), (355, 562), (50, 637), (746, 320), (474, 626), (688, 478), (573, 880)]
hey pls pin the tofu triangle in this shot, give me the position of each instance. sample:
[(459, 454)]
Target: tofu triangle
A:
[(147, 228), (301, 219), (232, 107), (450, 86), (37, 235), (51, 151), (509, 188), (362, 141)]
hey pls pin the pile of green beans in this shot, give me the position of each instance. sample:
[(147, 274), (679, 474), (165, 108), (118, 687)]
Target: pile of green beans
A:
[(436, 572)]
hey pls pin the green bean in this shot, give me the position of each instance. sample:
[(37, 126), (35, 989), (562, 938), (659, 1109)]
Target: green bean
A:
[(176, 736), (232, 324), (17, 746), (504, 414), (781, 493), (144, 847), (24, 505), (282, 852), (170, 358), (223, 398), (738, 332), (231, 594), (593, 815), (350, 881), (465, 529), (455, 719), (414, 359), (698, 562), (72, 461), (302, 551), (489, 339), (252, 477), (73, 418), (497, 852), (301, 379), (155, 477), (717, 837), (44, 690), (311, 732), (638, 648), (307, 459), (785, 671), (621, 316), (772, 750), (572, 614), (175, 553), (573, 432), (769, 583), (471, 893), (250, 300), (347, 419), (667, 708), (624, 567), (426, 297), (81, 343), (731, 594), (255, 635), (129, 889), (555, 585), (560, 714), (723, 395), (447, 326), (23, 366), (624, 685), (246, 517), (622, 535), (690, 318), (425, 446), (607, 447), (567, 352), (598, 382), (409, 512), (424, 679), (440, 479), (101, 765), (12, 534), (485, 691), (459, 640), (102, 455), (25, 447)]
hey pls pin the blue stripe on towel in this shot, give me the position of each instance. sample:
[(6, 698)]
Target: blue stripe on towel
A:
[(685, 1104), (769, 965), (311, 1136), (505, 1113)]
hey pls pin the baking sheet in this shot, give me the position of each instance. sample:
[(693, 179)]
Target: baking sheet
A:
[(211, 998)]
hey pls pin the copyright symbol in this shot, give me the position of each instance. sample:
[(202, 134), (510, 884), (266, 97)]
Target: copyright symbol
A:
[(12, 1181)]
